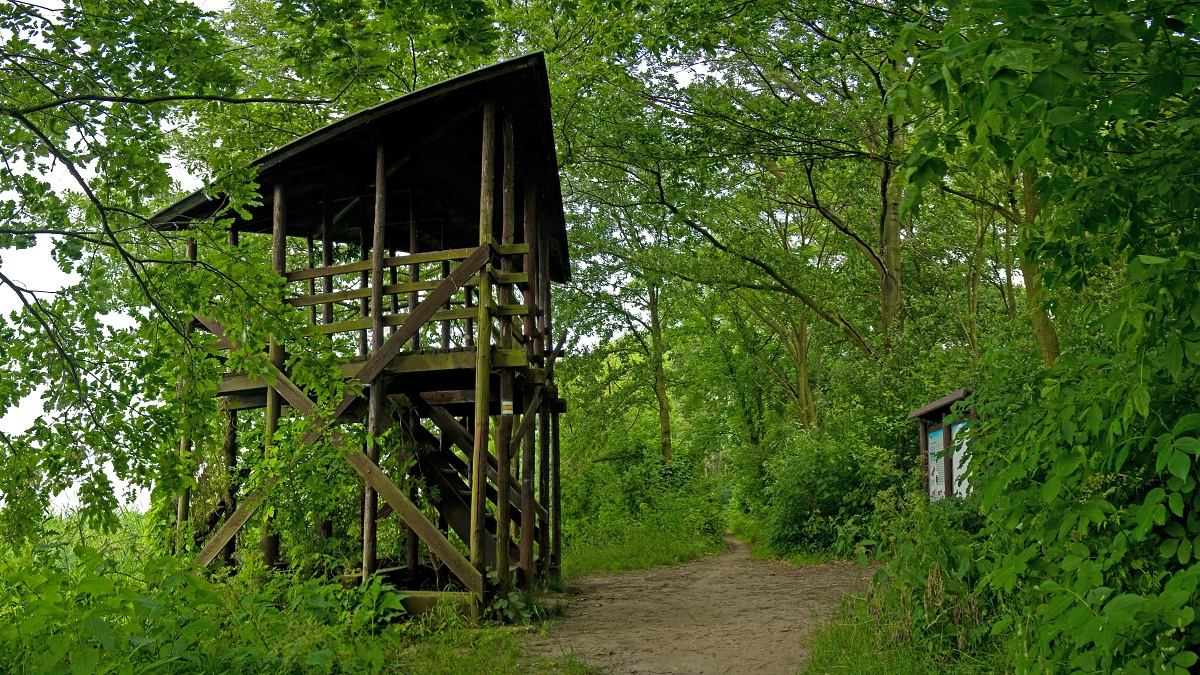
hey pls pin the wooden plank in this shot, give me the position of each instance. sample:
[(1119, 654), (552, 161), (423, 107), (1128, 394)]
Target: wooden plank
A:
[(236, 520), (242, 385), (428, 307), (397, 261), (437, 542), (394, 289), (375, 412), (364, 323)]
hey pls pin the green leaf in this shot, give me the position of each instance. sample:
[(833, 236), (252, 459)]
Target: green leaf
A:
[(1179, 464), (1185, 424), (1175, 502), (1048, 85), (1151, 259)]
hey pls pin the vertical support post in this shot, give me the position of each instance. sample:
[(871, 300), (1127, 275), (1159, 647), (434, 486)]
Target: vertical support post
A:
[(445, 325), (375, 410), (532, 351), (325, 525), (326, 253), (543, 490), (483, 345), (364, 305), (505, 423), (184, 504), (924, 457), (555, 500), (948, 457), (231, 451), (231, 460), (269, 544), (414, 271), (312, 283)]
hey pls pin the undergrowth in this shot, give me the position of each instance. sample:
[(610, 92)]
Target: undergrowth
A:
[(632, 546), (106, 606), (865, 638)]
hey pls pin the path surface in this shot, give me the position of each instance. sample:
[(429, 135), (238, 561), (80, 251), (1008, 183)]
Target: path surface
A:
[(729, 613)]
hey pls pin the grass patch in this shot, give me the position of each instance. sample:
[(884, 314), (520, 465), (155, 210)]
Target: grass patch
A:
[(860, 642), (751, 531), (635, 546)]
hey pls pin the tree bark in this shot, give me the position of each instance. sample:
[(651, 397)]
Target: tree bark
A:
[(1043, 326), (890, 290), (660, 373)]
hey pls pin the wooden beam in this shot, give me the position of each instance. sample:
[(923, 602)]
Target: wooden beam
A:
[(375, 408), (427, 531), (393, 289), (399, 261), (483, 349), (269, 543)]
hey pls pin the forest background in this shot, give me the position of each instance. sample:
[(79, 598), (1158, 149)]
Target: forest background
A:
[(791, 223)]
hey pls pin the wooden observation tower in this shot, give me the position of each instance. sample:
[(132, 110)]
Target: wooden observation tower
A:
[(434, 230)]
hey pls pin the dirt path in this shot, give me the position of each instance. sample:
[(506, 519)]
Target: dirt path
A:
[(727, 614)]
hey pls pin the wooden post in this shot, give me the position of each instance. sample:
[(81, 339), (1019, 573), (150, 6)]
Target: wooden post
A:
[(948, 457), (533, 352), (483, 361), (184, 503), (414, 271), (231, 460), (445, 325), (326, 254), (312, 283), (231, 451), (555, 500), (376, 402), (269, 544), (543, 490), (364, 305), (325, 525), (504, 424), (924, 457)]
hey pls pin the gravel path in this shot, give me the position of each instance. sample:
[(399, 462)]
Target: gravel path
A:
[(729, 613)]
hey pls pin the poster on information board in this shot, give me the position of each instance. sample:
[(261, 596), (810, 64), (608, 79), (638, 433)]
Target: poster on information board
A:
[(937, 481)]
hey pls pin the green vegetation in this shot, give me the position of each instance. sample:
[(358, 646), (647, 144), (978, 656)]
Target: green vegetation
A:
[(67, 606), (792, 222)]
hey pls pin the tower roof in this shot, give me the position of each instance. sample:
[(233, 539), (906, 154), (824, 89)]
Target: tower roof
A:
[(432, 140)]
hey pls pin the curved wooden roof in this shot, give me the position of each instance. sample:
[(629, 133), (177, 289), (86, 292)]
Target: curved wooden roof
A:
[(432, 146)]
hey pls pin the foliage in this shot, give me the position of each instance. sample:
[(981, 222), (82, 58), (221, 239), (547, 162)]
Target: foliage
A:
[(66, 606)]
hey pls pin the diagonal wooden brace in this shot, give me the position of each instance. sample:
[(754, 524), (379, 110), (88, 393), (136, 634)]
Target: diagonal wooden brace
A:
[(412, 516), (465, 440), (371, 370)]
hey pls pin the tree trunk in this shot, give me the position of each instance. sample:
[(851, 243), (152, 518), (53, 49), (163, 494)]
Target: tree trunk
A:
[(1043, 327), (890, 292), (660, 373)]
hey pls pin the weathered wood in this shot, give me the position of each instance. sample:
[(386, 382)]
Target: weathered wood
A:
[(427, 531), (326, 253), (428, 307), (399, 261), (483, 350), (376, 394), (230, 446), (269, 543), (555, 500), (542, 490), (399, 319), (414, 269), (457, 434), (242, 385), (232, 525), (184, 503), (393, 289)]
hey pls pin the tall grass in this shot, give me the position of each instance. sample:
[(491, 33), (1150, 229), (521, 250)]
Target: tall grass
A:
[(865, 639), (637, 545)]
